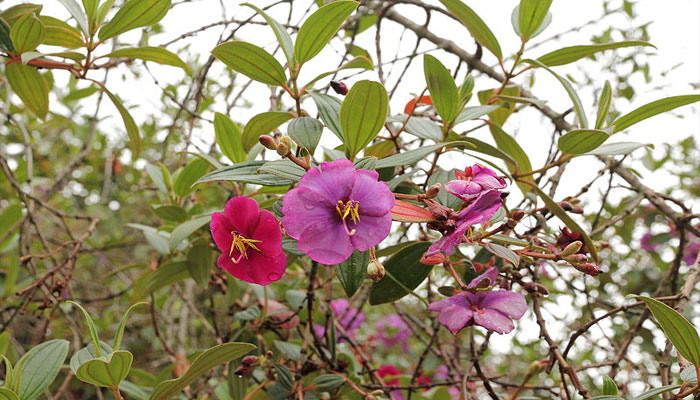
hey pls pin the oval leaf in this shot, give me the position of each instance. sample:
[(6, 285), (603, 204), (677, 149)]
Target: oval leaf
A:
[(531, 15), (306, 132), (155, 54), (320, 28), (352, 272), (194, 170), (651, 109), (39, 367), (27, 33), (280, 31), (251, 61), (404, 267), (216, 355), (329, 112), (443, 90), (134, 14), (476, 26), (30, 86), (229, 138), (580, 141), (59, 33), (262, 124), (108, 371), (570, 54), (362, 114)]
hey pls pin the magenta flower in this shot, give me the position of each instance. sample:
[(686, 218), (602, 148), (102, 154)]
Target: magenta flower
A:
[(336, 210), (350, 318), (690, 254), (393, 330), (251, 242), (475, 180), (478, 212), (493, 310), (647, 244)]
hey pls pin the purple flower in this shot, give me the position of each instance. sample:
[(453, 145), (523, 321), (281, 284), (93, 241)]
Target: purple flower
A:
[(690, 254), (474, 181), (393, 330), (647, 244), (350, 318), (491, 275), (478, 212), (250, 240), (493, 310), (336, 210)]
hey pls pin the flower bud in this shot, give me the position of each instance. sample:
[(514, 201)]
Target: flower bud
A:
[(518, 215), (571, 248), (534, 287), (577, 210), (537, 366), (576, 259), (435, 259), (250, 360), (375, 270), (566, 205), (588, 269), (268, 142), (433, 191), (285, 146), (339, 87)]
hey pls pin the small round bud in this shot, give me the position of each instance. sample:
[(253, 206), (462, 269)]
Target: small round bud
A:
[(533, 287), (283, 150), (518, 215), (433, 191), (571, 248), (339, 87), (577, 210), (434, 259), (375, 270), (566, 205), (268, 142), (537, 366), (588, 269)]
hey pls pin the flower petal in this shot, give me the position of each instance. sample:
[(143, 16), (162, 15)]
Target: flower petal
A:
[(221, 231), (455, 318), (326, 244), (493, 320), (302, 208), (374, 197), (482, 209), (370, 231), (465, 190), (257, 268), (243, 213), (506, 302), (491, 274), (334, 181), (269, 233)]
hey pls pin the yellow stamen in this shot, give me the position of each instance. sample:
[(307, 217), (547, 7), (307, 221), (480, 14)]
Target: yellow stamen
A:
[(350, 209), (241, 243)]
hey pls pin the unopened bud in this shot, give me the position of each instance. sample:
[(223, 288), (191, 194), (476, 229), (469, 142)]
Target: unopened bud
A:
[(448, 291), (268, 142), (537, 366), (566, 205), (572, 248), (577, 210), (433, 191), (588, 269), (576, 259), (518, 215), (434, 259), (250, 360), (285, 144), (534, 287), (375, 270), (339, 87)]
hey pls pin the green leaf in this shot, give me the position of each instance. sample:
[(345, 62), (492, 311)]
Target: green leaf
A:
[(107, 371), (329, 112), (102, 11), (362, 114), (655, 392), (417, 126), (284, 169), (30, 86), (503, 252), (132, 130), (246, 172), (320, 28), (166, 275), (411, 156), (27, 33), (39, 367), (186, 228), (651, 109), (404, 266), (59, 33), (199, 261), (306, 132), (609, 386), (216, 355), (556, 209), (570, 54), (229, 138), (280, 31), (285, 377), (603, 105), (510, 146), (155, 54), (251, 61), (194, 170), (531, 15), (476, 26), (9, 216), (689, 374), (678, 329), (74, 9), (91, 327), (357, 62), (5, 41), (328, 382), (7, 394), (501, 113), (612, 149), (171, 213), (352, 272), (12, 14), (156, 238), (134, 14), (443, 90), (91, 12), (262, 124), (581, 141), (578, 106), (470, 113), (122, 325), (86, 354)]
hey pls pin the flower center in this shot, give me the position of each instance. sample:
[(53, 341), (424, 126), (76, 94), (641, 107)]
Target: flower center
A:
[(347, 209), (241, 243), (476, 309), (464, 176)]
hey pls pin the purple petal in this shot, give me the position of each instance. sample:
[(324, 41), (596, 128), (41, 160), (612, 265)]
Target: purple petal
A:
[(221, 231), (455, 318), (269, 233), (465, 190), (243, 213), (370, 231), (491, 274), (334, 181), (374, 197), (303, 208), (489, 182), (482, 209), (493, 320), (326, 244), (506, 302)]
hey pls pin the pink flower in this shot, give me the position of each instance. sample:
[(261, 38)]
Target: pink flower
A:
[(393, 330), (478, 212), (336, 210), (251, 242), (474, 181), (350, 318), (492, 310), (690, 254), (390, 371)]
